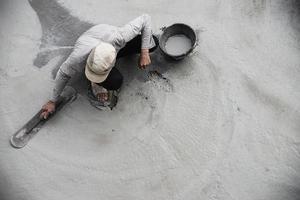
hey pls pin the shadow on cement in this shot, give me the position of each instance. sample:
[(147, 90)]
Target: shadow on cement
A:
[(292, 7), (3, 5)]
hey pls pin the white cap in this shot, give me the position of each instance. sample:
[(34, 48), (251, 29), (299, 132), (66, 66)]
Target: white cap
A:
[(100, 61)]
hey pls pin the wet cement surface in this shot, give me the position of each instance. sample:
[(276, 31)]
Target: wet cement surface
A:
[(221, 124), (178, 45)]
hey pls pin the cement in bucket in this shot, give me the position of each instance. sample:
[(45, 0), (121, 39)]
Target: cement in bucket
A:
[(178, 44), (177, 41)]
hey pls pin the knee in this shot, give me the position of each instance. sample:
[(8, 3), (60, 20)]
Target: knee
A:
[(113, 81), (119, 81)]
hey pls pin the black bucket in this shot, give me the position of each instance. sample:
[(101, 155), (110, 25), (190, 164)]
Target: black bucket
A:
[(177, 29)]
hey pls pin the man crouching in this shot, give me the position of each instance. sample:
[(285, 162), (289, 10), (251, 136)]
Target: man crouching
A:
[(97, 49)]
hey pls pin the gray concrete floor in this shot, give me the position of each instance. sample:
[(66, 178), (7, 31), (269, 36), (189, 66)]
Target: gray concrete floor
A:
[(225, 127)]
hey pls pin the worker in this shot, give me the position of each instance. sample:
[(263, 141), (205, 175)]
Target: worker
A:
[(97, 49)]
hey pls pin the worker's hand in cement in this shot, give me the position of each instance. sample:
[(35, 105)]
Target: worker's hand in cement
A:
[(144, 58), (103, 96), (100, 92), (47, 109)]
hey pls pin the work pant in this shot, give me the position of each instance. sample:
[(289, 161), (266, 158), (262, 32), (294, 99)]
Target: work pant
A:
[(114, 79)]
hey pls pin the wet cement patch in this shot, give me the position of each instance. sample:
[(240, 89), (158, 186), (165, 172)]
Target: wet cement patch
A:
[(60, 30), (178, 45)]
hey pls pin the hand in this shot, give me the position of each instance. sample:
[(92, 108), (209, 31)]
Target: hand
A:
[(103, 96), (47, 109), (144, 58)]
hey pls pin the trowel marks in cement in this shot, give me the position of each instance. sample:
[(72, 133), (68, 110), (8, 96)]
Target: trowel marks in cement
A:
[(178, 45)]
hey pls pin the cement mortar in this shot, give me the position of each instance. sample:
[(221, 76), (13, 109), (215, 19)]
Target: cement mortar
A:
[(178, 45)]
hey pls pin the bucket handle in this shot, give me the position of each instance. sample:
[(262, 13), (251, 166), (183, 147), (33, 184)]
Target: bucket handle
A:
[(163, 28)]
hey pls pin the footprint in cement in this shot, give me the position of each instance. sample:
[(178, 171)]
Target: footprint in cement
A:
[(60, 30)]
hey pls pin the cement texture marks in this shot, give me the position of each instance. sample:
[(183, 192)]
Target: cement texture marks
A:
[(221, 124)]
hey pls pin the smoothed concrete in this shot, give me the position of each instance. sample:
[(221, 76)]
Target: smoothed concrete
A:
[(223, 125)]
